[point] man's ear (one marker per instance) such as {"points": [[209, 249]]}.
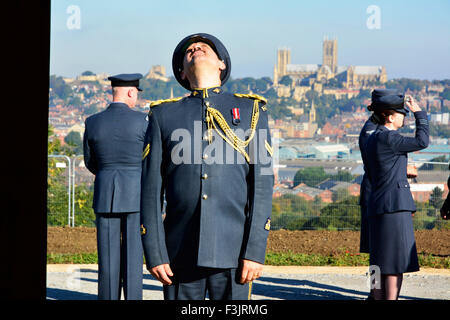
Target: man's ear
{"points": [[222, 65]]}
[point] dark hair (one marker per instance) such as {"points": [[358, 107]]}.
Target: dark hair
{"points": [[381, 117]]}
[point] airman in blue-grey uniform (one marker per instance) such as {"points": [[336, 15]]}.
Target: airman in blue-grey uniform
{"points": [[392, 243], [113, 143], [209, 154]]}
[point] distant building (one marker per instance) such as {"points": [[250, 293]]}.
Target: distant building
{"points": [[333, 185], [287, 153], [308, 74], [157, 72], [441, 118], [309, 193], [102, 78], [330, 151], [421, 192]]}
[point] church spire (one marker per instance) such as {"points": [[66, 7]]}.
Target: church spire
{"points": [[312, 113]]}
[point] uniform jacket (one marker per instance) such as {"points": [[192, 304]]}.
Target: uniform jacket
{"points": [[387, 159], [368, 128], [218, 205], [113, 142]]}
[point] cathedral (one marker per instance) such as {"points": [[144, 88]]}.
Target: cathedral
{"points": [[314, 75]]}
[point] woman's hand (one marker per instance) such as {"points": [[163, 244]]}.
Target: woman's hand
{"points": [[411, 171], [412, 104]]}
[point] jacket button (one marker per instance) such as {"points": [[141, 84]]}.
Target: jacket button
{"points": [[204, 176], [205, 196]]}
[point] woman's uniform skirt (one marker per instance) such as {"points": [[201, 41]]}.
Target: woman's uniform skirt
{"points": [[392, 243]]}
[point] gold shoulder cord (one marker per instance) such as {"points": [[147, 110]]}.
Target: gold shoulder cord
{"points": [[158, 102], [214, 115]]}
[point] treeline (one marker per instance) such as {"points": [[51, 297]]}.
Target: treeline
{"points": [[312, 176], [293, 212]]}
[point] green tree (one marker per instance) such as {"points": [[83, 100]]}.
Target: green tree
{"points": [[75, 101], [93, 108], [74, 142], [342, 215], [60, 88], [310, 176], [343, 175], [436, 198], [84, 214], [286, 81], [53, 144], [340, 194], [445, 94]]}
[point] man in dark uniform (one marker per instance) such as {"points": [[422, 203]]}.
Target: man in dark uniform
{"points": [[113, 143], [210, 154]]}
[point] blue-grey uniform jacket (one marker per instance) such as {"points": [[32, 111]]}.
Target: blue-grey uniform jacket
{"points": [[387, 160], [218, 203], [113, 142], [368, 128]]}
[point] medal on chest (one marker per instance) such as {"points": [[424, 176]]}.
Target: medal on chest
{"points": [[236, 116]]}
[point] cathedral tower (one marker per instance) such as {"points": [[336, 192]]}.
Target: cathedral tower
{"points": [[330, 54], [283, 59]]}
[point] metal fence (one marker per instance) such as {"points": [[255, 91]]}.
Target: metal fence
{"points": [[69, 192], [324, 195]]}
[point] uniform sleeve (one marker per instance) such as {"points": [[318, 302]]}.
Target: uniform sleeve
{"points": [[368, 128], [401, 144], [152, 229], [144, 126], [260, 195], [88, 153]]}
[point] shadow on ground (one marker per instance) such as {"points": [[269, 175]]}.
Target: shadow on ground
{"points": [[267, 288]]}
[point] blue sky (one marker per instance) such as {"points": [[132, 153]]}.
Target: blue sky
{"points": [[130, 36]]}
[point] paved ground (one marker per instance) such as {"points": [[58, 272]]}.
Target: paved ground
{"points": [[79, 282]]}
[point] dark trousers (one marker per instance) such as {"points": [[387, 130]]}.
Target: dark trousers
{"points": [[120, 256], [196, 283]]}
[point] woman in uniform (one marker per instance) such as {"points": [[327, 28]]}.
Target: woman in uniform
{"points": [[392, 243]]}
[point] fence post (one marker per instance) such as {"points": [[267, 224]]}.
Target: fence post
{"points": [[73, 188]]}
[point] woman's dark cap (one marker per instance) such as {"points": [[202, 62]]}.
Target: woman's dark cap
{"points": [[388, 99]]}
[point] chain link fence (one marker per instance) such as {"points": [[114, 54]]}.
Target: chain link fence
{"points": [[310, 194], [318, 194]]}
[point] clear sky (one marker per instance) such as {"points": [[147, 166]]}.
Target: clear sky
{"points": [[410, 38]]}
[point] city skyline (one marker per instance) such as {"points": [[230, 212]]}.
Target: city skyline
{"points": [[409, 38]]}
